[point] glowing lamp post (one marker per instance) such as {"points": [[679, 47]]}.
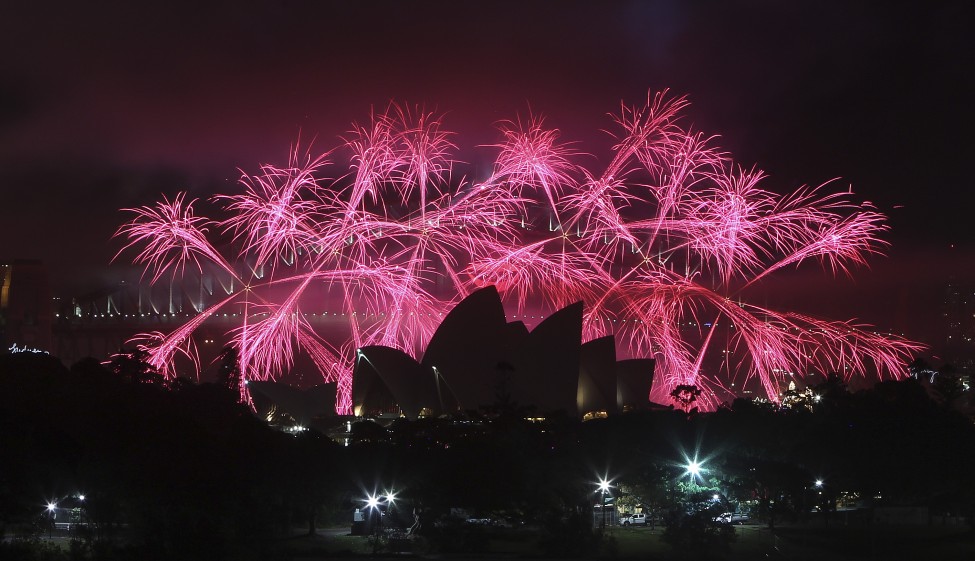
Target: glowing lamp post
{"points": [[821, 503], [52, 512], [603, 489], [390, 498], [374, 503], [81, 499]]}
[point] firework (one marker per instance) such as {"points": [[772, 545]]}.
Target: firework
{"points": [[670, 234]]}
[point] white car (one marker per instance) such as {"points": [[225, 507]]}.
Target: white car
{"points": [[634, 519], [732, 518]]}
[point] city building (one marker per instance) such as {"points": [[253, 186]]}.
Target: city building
{"points": [[25, 307]]}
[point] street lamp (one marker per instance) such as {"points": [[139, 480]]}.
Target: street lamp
{"points": [[81, 509], [390, 503], [374, 504], [603, 489], [52, 512]]}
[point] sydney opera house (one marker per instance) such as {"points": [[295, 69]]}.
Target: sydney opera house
{"points": [[477, 360]]}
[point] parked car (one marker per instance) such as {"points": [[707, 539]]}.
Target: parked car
{"points": [[732, 518], [634, 519]]}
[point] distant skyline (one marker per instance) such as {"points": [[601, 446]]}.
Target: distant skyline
{"points": [[109, 106]]}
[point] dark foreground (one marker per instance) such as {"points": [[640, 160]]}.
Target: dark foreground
{"points": [[752, 541]]}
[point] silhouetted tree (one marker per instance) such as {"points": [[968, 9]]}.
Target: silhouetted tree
{"points": [[948, 385], [228, 373], [684, 395], [920, 369], [698, 536], [134, 367]]}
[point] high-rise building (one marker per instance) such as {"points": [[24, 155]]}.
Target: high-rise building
{"points": [[25, 306]]}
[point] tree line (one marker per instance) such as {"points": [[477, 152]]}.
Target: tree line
{"points": [[181, 470]]}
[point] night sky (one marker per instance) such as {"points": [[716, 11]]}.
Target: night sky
{"points": [[107, 105]]}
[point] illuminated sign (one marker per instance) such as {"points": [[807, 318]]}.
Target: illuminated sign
{"points": [[15, 349]]}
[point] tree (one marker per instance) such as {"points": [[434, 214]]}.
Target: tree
{"points": [[134, 367], [920, 369], [312, 481], [228, 374], [651, 486], [699, 536], [685, 395], [832, 393], [948, 385]]}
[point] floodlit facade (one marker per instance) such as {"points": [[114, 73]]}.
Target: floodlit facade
{"points": [[478, 360]]}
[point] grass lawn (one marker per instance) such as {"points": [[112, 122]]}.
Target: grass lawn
{"points": [[815, 543], [799, 542]]}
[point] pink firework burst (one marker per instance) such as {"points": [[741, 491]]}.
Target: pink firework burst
{"points": [[663, 246]]}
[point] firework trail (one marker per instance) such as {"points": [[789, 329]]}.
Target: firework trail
{"points": [[670, 234]]}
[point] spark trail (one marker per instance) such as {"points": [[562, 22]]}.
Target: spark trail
{"points": [[670, 233]]}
